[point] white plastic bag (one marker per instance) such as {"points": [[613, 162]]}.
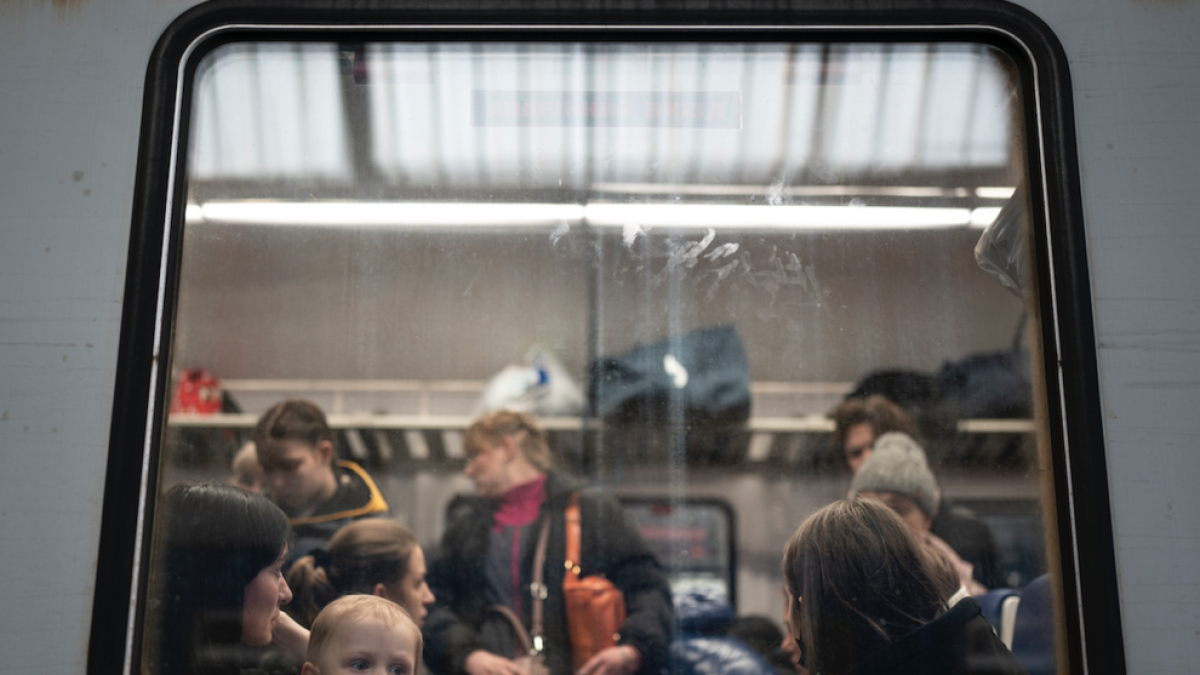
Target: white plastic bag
{"points": [[542, 388], [1002, 249]]}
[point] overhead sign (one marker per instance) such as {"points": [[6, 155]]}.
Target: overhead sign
{"points": [[717, 110]]}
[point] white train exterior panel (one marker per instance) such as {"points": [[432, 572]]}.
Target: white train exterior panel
{"points": [[72, 73]]}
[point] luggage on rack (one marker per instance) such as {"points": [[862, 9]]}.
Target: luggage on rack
{"points": [[696, 382], [990, 385]]}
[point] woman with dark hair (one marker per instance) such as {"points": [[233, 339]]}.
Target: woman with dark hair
{"points": [[370, 557], [222, 582], [864, 596]]}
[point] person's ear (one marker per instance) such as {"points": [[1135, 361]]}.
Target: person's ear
{"points": [[381, 590], [325, 452], [796, 612], [310, 668], [510, 448]]}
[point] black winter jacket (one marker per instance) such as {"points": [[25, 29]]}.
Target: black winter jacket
{"points": [[356, 497], [972, 540], [609, 546], [959, 642]]}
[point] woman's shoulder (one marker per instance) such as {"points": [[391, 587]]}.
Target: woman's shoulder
{"points": [[269, 671], [262, 669], [959, 642], [467, 516]]}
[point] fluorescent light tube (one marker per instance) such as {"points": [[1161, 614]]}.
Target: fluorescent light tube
{"points": [[994, 192], [483, 215], [775, 217], [341, 213], [984, 216]]}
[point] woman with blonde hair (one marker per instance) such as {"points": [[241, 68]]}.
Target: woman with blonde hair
{"points": [[865, 596], [488, 559]]}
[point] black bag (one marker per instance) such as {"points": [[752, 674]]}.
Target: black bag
{"points": [[700, 379], [986, 385], [914, 391], [992, 385]]}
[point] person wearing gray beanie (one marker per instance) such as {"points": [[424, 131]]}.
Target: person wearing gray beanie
{"points": [[898, 465], [898, 475]]}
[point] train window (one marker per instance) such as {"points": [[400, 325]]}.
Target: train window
{"points": [[682, 257], [719, 271]]}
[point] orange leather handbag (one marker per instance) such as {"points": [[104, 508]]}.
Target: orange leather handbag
{"points": [[595, 607]]}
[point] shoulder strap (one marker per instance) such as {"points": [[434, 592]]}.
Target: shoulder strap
{"points": [[572, 562], [531, 641], [522, 635], [538, 588]]}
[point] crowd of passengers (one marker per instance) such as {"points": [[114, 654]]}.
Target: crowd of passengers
{"points": [[312, 577]]}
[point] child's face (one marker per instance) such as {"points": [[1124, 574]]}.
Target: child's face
{"points": [[367, 646]]}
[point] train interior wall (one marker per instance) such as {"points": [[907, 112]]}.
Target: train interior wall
{"points": [[314, 303], [335, 304]]}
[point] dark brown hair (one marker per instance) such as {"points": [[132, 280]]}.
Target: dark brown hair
{"points": [[361, 554], [217, 540], [864, 580], [883, 416], [494, 426], [293, 420]]}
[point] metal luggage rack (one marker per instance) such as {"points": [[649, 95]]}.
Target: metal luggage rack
{"points": [[423, 420]]}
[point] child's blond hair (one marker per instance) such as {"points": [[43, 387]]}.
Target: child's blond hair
{"points": [[356, 607]]}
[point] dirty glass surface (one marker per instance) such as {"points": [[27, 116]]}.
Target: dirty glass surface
{"points": [[679, 257]]}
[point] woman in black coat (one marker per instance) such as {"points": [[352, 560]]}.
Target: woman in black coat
{"points": [[865, 597], [487, 558], [222, 582]]}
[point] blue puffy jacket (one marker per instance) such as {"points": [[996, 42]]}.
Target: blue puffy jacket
{"points": [[701, 647]]}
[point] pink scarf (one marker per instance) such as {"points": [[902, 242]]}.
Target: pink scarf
{"points": [[519, 506]]}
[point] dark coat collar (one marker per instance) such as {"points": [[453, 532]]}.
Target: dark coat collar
{"points": [[919, 643]]}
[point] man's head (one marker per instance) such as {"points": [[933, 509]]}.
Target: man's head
{"points": [[898, 475], [295, 449], [363, 634], [859, 421], [504, 449]]}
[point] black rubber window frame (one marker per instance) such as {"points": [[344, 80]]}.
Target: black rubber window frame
{"points": [[1094, 640]]}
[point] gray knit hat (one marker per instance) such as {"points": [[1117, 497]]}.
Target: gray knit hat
{"points": [[898, 465]]}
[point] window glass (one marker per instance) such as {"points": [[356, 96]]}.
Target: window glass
{"points": [[680, 258]]}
